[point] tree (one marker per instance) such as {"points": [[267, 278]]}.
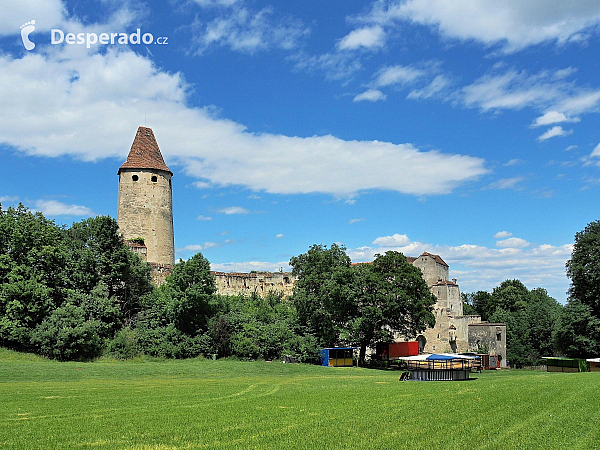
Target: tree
{"points": [[389, 295], [322, 295], [577, 332], [584, 267]]}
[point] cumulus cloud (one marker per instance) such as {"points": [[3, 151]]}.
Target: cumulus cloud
{"points": [[371, 95], [367, 38], [553, 117], [233, 210], [56, 208], [72, 91], [513, 242], [511, 24], [248, 266], [47, 14], [194, 248], [554, 132], [397, 74], [479, 267], [203, 218], [395, 240], [596, 152], [279, 235], [502, 235]]}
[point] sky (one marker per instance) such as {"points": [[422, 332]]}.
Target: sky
{"points": [[463, 128]]}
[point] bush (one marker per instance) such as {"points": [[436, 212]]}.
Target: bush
{"points": [[124, 345], [66, 335]]}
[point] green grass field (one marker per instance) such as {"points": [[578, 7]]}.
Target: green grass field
{"points": [[230, 404]]}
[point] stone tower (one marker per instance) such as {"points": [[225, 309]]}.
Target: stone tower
{"points": [[145, 200]]}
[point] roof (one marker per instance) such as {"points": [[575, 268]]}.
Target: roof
{"points": [[445, 282], [437, 258], [487, 324], [436, 357], [144, 153]]}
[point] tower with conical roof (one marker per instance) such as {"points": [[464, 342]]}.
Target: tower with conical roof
{"points": [[145, 199]]}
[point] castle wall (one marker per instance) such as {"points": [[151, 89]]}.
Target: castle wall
{"points": [[490, 335], [145, 210], [259, 282]]}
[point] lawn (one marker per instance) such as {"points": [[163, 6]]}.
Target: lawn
{"points": [[230, 404]]}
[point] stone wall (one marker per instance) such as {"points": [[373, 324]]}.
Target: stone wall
{"points": [[145, 210], [259, 282], [490, 335]]}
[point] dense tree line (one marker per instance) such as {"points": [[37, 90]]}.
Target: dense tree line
{"points": [[537, 325], [78, 292]]}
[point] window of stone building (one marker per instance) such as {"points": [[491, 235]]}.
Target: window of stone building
{"points": [[498, 336], [134, 178], [154, 178]]}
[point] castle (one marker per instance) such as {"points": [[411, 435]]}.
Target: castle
{"points": [[145, 217]]}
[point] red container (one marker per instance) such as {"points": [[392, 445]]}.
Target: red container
{"points": [[398, 349]]}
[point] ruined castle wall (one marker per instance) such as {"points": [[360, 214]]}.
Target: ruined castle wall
{"points": [[490, 335], [145, 210], [260, 283]]}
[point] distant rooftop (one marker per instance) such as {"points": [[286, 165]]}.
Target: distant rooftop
{"points": [[144, 153]]}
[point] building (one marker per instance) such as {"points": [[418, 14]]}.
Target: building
{"points": [[145, 210], [145, 217]]}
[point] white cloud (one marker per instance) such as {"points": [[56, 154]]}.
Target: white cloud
{"points": [[571, 147], [435, 87], [396, 240], [71, 91], [553, 117], [513, 242], [279, 235], [502, 235], [233, 210], [596, 152], [554, 132], [8, 199], [249, 266], [336, 65], [367, 37], [360, 219], [248, 31], [511, 24], [203, 218], [194, 248], [371, 95], [397, 74], [56, 208], [482, 268], [512, 162], [505, 183], [216, 3], [47, 14]]}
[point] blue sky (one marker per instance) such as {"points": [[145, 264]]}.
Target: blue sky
{"points": [[467, 129]]}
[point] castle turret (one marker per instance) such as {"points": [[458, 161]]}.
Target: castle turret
{"points": [[145, 199]]}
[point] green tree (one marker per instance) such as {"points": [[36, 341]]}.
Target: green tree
{"points": [[584, 267], [322, 295], [389, 294], [577, 332]]}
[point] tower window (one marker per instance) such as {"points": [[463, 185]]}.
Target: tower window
{"points": [[134, 177], [154, 178]]}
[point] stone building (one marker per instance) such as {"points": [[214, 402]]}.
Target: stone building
{"points": [[145, 217], [145, 210]]}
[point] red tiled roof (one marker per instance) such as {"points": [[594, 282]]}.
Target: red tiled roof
{"points": [[445, 283], [144, 153], [437, 258]]}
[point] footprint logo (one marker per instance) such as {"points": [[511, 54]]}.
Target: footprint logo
{"points": [[27, 28]]}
